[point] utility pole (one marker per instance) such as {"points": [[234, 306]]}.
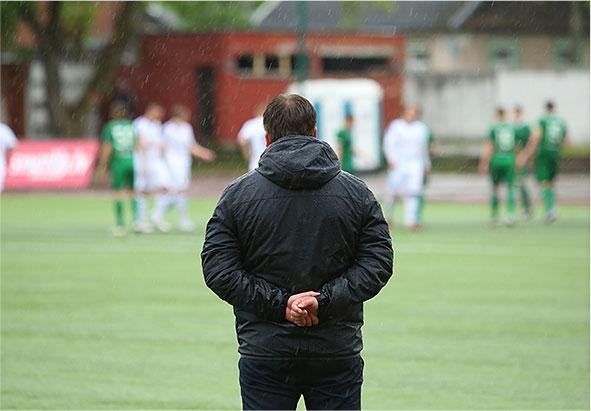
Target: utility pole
{"points": [[302, 28]]}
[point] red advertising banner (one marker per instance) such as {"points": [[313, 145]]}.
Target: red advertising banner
{"points": [[48, 164]]}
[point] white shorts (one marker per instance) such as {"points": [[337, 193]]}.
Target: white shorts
{"points": [[406, 180], [180, 178], [152, 176]]}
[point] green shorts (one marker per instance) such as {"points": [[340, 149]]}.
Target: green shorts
{"points": [[546, 168], [501, 171], [122, 174]]}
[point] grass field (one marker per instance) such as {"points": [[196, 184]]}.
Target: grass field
{"points": [[474, 318]]}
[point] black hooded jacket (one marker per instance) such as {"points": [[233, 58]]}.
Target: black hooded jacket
{"points": [[297, 223]]}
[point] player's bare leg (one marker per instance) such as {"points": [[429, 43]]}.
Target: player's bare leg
{"points": [[162, 202], [549, 202]]}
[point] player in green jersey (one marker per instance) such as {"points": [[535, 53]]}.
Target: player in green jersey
{"points": [[345, 144], [522, 133], [118, 143], [548, 138], [432, 152], [498, 159]]}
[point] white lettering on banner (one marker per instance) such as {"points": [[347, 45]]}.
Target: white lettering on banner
{"points": [[53, 165]]}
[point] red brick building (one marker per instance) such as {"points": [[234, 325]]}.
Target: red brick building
{"points": [[223, 77]]}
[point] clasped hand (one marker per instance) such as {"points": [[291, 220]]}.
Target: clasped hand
{"points": [[302, 309]]}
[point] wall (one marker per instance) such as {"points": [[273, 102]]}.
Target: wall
{"points": [[462, 106]]}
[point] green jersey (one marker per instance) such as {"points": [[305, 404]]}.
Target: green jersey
{"points": [[122, 137], [553, 133], [522, 133], [502, 136], [345, 141]]}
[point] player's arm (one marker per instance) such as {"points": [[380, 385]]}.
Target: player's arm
{"points": [[369, 273], [529, 150], [201, 152], [105, 153], [485, 156], [225, 275], [197, 150], [388, 147], [244, 143]]}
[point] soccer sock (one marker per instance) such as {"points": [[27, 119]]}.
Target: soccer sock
{"points": [[525, 197], [119, 212], [420, 208], [162, 201], [494, 205], [141, 209], [548, 198], [411, 205], [510, 200], [134, 208], [181, 207]]}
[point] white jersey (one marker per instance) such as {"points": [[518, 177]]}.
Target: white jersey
{"points": [[7, 142], [179, 139], [151, 172], [150, 134], [407, 144], [253, 132]]}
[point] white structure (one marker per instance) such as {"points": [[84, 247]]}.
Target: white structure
{"points": [[461, 107], [333, 99]]}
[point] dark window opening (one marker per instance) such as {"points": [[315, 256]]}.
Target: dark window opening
{"points": [[354, 64], [245, 63], [271, 63]]}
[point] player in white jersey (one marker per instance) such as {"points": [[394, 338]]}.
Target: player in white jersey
{"points": [[181, 146], [151, 172], [252, 138], [7, 142], [406, 147]]}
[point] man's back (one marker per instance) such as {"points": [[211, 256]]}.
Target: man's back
{"points": [[296, 246], [299, 222]]}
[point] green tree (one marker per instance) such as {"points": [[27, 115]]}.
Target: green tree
{"points": [[212, 15], [61, 30]]}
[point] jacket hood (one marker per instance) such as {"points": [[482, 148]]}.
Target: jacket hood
{"points": [[299, 162]]}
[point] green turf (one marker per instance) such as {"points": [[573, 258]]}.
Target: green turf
{"points": [[474, 318]]}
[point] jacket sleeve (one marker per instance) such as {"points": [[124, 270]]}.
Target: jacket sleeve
{"points": [[225, 276], [369, 273]]}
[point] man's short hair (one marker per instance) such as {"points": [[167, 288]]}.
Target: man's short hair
{"points": [[178, 110], [289, 115], [518, 109], [500, 111], [117, 110], [550, 105]]}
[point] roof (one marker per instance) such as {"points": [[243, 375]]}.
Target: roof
{"points": [[396, 17]]}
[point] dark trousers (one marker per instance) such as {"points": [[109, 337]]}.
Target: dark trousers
{"points": [[277, 384]]}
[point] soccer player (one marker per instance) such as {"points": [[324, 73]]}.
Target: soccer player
{"points": [[251, 138], [345, 145], [546, 142], [498, 159], [7, 142], [406, 147], [118, 143], [522, 134], [151, 172], [180, 147], [432, 149]]}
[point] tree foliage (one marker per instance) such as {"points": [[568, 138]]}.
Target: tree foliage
{"points": [[61, 30], [212, 15]]}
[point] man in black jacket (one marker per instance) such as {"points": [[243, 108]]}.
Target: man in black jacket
{"points": [[296, 246]]}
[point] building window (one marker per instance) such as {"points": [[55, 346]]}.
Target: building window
{"points": [[245, 63], [353, 64], [418, 57], [567, 54], [504, 53], [271, 63]]}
